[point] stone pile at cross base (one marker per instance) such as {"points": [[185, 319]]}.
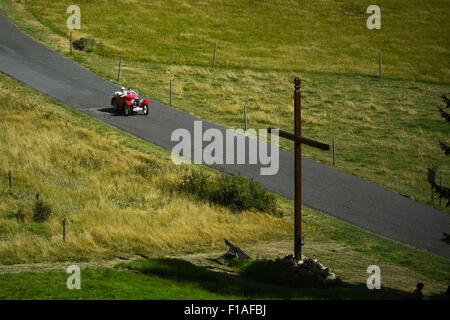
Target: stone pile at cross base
{"points": [[307, 267]]}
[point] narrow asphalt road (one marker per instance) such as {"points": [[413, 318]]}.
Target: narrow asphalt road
{"points": [[336, 193]]}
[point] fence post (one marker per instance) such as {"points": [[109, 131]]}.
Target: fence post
{"points": [[431, 177], [334, 151], [10, 180], [214, 59], [170, 91], [245, 116], [64, 229], [440, 194], [120, 68], [379, 64], [70, 42]]}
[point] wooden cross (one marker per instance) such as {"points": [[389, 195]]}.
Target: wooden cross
{"points": [[298, 140]]}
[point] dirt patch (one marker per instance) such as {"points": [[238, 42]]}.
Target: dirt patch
{"points": [[59, 266]]}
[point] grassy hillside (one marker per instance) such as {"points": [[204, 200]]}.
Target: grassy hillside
{"points": [[327, 36], [117, 200], [165, 279], [182, 283], [386, 131], [151, 278], [118, 192], [119, 196]]}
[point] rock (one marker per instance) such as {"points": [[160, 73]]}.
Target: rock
{"points": [[307, 267]]}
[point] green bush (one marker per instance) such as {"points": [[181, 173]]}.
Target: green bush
{"points": [[86, 44], [38, 229], [237, 193], [41, 211], [20, 215], [276, 272]]}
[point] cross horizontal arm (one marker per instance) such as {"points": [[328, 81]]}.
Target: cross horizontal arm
{"points": [[309, 142]]}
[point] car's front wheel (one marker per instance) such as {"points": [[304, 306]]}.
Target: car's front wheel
{"points": [[145, 109]]}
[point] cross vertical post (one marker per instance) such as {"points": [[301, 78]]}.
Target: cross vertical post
{"points": [[298, 171], [298, 140]]}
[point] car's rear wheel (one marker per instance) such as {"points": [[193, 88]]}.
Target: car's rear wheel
{"points": [[145, 109], [115, 107], [126, 110]]}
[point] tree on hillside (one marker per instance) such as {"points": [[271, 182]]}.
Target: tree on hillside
{"points": [[443, 191], [446, 116], [446, 238]]}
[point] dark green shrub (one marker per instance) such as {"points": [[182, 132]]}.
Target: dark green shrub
{"points": [[20, 215], [196, 183], [41, 211], [86, 44], [38, 229], [237, 193]]}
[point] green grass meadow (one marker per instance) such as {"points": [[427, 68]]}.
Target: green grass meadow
{"points": [[105, 221], [325, 36], [387, 131], [169, 279]]}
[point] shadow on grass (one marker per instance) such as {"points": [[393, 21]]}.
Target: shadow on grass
{"points": [[269, 287]]}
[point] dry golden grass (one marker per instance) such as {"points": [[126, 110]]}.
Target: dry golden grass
{"points": [[117, 200]]}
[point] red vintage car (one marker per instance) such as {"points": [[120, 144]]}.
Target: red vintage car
{"points": [[129, 101]]}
